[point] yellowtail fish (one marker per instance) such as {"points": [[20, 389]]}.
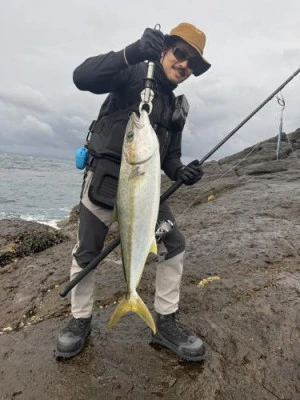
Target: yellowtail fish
{"points": [[136, 210]]}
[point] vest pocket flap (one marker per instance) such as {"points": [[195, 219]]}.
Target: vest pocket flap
{"points": [[104, 183]]}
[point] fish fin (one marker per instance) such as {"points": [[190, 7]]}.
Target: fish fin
{"points": [[114, 216], [135, 304], [153, 247]]}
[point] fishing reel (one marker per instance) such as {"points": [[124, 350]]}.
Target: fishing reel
{"points": [[163, 229]]}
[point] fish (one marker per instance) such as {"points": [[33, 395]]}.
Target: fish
{"points": [[136, 210]]}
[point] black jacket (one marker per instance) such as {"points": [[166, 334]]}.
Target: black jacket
{"points": [[109, 73]]}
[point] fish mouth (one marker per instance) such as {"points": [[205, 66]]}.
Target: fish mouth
{"points": [[136, 121]]}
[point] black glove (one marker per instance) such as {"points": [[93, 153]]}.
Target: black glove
{"points": [[191, 173], [149, 47]]}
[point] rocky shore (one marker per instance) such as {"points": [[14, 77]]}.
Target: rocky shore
{"points": [[240, 293]]}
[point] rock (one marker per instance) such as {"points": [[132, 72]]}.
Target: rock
{"points": [[74, 214], [21, 238], [240, 293]]}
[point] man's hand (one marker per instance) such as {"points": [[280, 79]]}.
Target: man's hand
{"points": [[191, 173], [149, 47]]}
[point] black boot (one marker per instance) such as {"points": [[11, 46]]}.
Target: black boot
{"points": [[72, 338], [173, 336]]}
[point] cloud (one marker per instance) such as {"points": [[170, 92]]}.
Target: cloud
{"points": [[25, 97], [33, 127], [253, 48]]}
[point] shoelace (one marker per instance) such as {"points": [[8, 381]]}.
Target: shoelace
{"points": [[78, 324], [179, 333]]}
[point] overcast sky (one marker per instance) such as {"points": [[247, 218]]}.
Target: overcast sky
{"points": [[253, 47]]}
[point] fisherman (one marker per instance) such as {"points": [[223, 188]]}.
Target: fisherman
{"points": [[122, 75]]}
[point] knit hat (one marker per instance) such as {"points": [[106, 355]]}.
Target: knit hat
{"points": [[195, 38]]}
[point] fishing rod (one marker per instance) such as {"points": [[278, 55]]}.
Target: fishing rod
{"points": [[178, 183], [108, 249]]}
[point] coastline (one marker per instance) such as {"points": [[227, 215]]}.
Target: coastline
{"points": [[240, 294]]}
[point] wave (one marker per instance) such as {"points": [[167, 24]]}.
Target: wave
{"points": [[6, 201], [41, 219], [52, 223], [31, 218]]}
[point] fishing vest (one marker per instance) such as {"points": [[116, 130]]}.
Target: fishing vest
{"points": [[108, 131]]}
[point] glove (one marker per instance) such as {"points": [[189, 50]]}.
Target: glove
{"points": [[149, 47], [191, 173]]}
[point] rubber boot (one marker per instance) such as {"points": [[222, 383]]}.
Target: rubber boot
{"points": [[72, 338], [174, 337]]}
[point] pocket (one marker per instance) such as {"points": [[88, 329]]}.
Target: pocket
{"points": [[104, 183]]}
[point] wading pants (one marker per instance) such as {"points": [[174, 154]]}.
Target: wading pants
{"points": [[94, 223]]}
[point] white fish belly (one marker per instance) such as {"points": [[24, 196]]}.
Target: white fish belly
{"points": [[137, 205]]}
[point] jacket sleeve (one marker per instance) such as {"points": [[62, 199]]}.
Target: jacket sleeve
{"points": [[102, 74], [172, 162]]}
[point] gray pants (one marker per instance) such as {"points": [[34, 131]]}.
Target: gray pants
{"points": [[94, 222]]}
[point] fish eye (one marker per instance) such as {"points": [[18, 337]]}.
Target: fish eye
{"points": [[130, 136]]}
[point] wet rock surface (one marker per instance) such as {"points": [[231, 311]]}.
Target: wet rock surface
{"points": [[240, 293], [19, 240]]}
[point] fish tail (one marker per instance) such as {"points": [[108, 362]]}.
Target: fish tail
{"points": [[135, 304]]}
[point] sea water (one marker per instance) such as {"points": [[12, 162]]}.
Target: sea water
{"points": [[38, 189]]}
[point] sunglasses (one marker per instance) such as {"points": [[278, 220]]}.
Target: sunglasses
{"points": [[181, 55]]}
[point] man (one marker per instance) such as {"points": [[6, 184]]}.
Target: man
{"points": [[122, 74]]}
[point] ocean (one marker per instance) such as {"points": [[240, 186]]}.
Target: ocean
{"points": [[38, 189]]}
